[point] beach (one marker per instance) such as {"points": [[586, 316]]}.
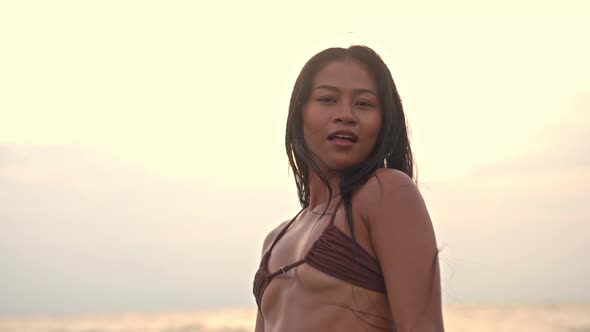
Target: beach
{"points": [[458, 317]]}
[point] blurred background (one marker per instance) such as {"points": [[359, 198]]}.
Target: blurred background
{"points": [[142, 154]]}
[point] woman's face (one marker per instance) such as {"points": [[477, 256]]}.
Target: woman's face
{"points": [[342, 118]]}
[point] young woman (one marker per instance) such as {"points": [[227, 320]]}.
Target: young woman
{"points": [[361, 255]]}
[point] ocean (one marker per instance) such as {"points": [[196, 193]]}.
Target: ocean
{"points": [[472, 318]]}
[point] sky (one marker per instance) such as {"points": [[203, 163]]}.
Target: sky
{"points": [[142, 144]]}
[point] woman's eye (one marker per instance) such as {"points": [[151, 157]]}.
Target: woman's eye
{"points": [[364, 104], [326, 100]]}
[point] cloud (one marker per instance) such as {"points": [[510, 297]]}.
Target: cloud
{"points": [[82, 232], [563, 147], [516, 230]]}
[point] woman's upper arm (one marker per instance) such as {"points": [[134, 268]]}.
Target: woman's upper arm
{"points": [[259, 323], [268, 240], [404, 242]]}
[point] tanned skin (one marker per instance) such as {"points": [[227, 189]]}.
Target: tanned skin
{"points": [[390, 220]]}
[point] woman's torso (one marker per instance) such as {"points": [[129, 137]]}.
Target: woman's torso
{"points": [[307, 299]]}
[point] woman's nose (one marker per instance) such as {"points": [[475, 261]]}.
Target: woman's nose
{"points": [[345, 114]]}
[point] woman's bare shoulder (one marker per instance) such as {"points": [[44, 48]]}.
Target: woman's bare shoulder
{"points": [[385, 189], [270, 237], [383, 181]]}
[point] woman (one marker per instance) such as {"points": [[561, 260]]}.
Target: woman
{"points": [[361, 255]]}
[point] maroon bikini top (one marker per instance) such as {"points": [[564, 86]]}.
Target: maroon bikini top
{"points": [[333, 253]]}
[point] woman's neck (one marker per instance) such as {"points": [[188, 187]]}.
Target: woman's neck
{"points": [[319, 193]]}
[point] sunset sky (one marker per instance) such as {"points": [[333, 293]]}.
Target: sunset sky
{"points": [[142, 144]]}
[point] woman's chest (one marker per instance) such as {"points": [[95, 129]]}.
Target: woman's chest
{"points": [[305, 259], [295, 247]]}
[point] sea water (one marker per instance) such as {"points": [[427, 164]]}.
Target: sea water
{"points": [[472, 318]]}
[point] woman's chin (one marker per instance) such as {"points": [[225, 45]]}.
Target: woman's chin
{"points": [[340, 167], [337, 165]]}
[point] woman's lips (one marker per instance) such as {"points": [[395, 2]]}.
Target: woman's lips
{"points": [[343, 134], [341, 142], [343, 138]]}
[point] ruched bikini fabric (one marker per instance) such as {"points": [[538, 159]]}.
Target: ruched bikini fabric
{"points": [[333, 253]]}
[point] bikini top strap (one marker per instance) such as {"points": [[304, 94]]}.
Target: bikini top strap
{"points": [[334, 214], [284, 230]]}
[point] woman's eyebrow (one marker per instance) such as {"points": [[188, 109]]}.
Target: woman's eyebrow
{"points": [[355, 91]]}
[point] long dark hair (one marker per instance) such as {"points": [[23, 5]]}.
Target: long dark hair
{"points": [[392, 142]]}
